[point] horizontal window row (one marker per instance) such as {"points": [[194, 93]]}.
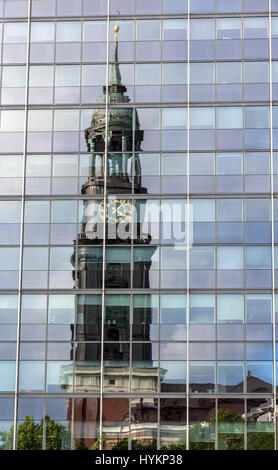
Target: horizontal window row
{"points": [[63, 377], [144, 74], [227, 92], [153, 279], [117, 328], [171, 258], [222, 233], [168, 164], [169, 139], [233, 117], [144, 211], [19, 8], [166, 184], [141, 51], [148, 309], [146, 30], [146, 423], [120, 351], [172, 327]]}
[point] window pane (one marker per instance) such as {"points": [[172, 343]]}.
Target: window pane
{"points": [[68, 31], [255, 28], [13, 76], [230, 308], [202, 29], [41, 76], [228, 28], [228, 72], [201, 73], [42, 32], [202, 118], [174, 74], [229, 118], [202, 308], [229, 163], [15, 32], [230, 257], [256, 72]]}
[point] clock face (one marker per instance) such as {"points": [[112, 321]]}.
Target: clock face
{"points": [[116, 210]]}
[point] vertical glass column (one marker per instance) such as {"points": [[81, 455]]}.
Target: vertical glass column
{"points": [[17, 378]]}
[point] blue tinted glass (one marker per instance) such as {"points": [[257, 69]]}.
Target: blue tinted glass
{"points": [[230, 377], [229, 118], [202, 377], [230, 308], [259, 351], [202, 308], [256, 117], [258, 257], [225, 6], [230, 257], [201, 6]]}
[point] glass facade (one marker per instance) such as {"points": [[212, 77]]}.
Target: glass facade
{"points": [[138, 224]]}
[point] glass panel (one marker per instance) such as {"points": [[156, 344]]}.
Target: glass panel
{"points": [[202, 424], [201, 377], [228, 28], [202, 308], [86, 422], [260, 424], [230, 308], [115, 425], [145, 414], [173, 424], [230, 377], [202, 29], [258, 308], [231, 416]]}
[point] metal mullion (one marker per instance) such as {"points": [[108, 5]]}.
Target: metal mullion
{"points": [[216, 424], [46, 336], [2, 51], [22, 226], [158, 361], [72, 443], [244, 346], [104, 224], [187, 225], [158, 421], [129, 439], [130, 363], [272, 223], [245, 424]]}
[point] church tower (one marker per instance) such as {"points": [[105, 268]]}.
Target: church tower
{"points": [[117, 139], [106, 216]]}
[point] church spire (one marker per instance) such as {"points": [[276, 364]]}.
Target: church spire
{"points": [[115, 77]]}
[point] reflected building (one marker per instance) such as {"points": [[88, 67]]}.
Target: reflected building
{"points": [[112, 220]]}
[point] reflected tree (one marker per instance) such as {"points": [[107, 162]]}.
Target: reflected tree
{"points": [[231, 437], [30, 435], [135, 445], [260, 441], [230, 430]]}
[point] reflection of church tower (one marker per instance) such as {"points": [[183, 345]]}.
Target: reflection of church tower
{"points": [[119, 143], [117, 217]]}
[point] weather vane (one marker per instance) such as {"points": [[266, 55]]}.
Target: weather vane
{"points": [[117, 27]]}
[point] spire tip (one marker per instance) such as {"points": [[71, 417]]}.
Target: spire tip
{"points": [[116, 29]]}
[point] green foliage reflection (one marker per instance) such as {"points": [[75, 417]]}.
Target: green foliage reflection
{"points": [[30, 435]]}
